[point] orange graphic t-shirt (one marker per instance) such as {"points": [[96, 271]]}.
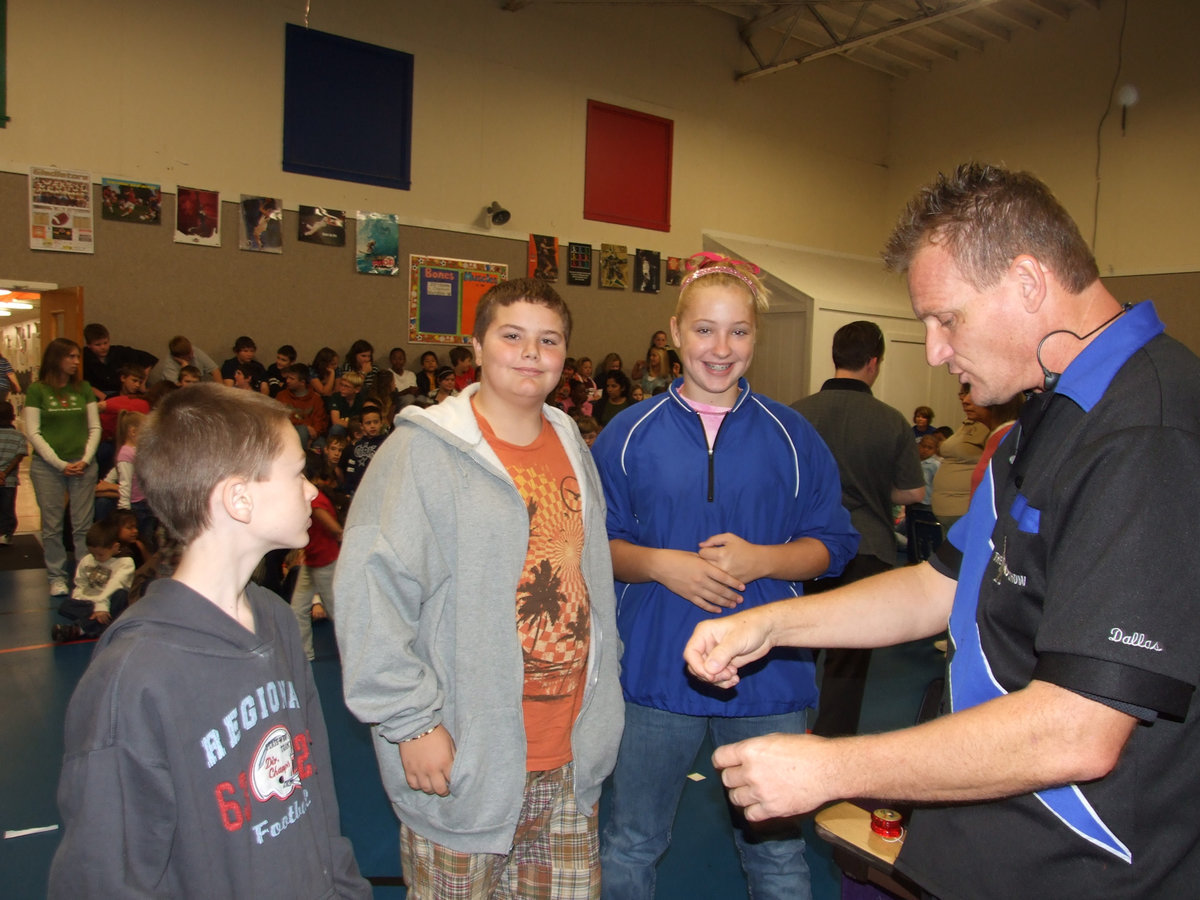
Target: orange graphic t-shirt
{"points": [[552, 610]]}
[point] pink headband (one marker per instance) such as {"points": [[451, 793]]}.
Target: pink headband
{"points": [[724, 270]]}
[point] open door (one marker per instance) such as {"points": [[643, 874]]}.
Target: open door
{"points": [[62, 315]]}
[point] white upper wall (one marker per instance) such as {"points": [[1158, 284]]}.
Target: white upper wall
{"points": [[189, 92]]}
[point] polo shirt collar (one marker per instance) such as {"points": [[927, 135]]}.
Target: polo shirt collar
{"points": [[846, 384], [1090, 373]]}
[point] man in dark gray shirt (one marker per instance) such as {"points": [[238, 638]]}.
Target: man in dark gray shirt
{"points": [[879, 466]]}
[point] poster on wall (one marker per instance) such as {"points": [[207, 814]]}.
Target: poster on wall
{"points": [[443, 296], [614, 266], [579, 264], [260, 226], [377, 243], [674, 270], [130, 201], [543, 257], [322, 225], [646, 265], [198, 217], [60, 210]]}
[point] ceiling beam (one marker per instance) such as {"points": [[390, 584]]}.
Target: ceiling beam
{"points": [[843, 47]]}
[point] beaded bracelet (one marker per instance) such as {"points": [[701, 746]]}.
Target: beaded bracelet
{"points": [[421, 735]]}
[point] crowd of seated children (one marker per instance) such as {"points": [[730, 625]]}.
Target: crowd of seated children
{"points": [[243, 361], [285, 356], [102, 581], [329, 399]]}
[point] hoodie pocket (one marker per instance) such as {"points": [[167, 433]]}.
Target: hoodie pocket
{"points": [[487, 780]]}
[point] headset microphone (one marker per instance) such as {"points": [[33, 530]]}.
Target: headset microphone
{"points": [[1051, 378]]}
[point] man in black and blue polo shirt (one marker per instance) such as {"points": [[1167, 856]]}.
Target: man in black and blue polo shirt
{"points": [[1068, 765]]}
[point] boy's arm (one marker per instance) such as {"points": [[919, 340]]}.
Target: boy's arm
{"points": [[13, 464], [385, 682], [330, 522], [115, 794], [388, 567], [118, 825]]}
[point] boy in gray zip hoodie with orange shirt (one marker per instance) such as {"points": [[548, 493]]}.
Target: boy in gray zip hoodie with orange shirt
{"points": [[477, 622]]}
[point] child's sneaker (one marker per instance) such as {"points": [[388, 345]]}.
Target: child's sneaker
{"points": [[58, 587], [63, 633], [5, 540]]}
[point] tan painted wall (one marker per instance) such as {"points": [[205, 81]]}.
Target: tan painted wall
{"points": [[1037, 104]]}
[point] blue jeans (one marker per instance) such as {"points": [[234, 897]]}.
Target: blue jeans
{"points": [[657, 751], [52, 487]]}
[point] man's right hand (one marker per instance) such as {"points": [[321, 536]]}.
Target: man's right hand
{"points": [[719, 647], [427, 761]]}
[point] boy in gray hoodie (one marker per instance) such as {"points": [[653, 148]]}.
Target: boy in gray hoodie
{"points": [[477, 622], [196, 762]]}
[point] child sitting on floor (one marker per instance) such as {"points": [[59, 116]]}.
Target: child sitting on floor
{"points": [[102, 581]]}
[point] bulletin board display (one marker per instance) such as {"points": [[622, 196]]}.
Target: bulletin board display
{"points": [[443, 296]]}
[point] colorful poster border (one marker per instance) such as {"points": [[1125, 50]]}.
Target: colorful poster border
{"points": [[443, 295]]}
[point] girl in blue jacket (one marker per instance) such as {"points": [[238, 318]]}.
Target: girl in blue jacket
{"points": [[718, 498]]}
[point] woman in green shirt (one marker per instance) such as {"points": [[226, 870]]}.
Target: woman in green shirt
{"points": [[62, 422]]}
